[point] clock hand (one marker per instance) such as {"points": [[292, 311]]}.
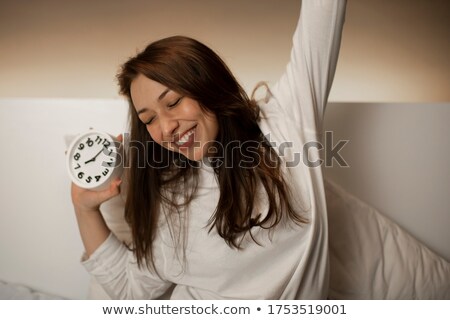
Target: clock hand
{"points": [[95, 157]]}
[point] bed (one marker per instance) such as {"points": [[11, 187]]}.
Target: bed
{"points": [[371, 255]]}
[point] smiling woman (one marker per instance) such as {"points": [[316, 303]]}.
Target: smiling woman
{"points": [[173, 121], [187, 118], [209, 196]]}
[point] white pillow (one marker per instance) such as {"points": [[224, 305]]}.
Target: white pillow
{"points": [[371, 257]]}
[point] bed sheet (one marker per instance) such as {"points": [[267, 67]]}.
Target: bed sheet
{"points": [[14, 291], [372, 257]]}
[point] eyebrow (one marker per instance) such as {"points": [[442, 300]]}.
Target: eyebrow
{"points": [[161, 96]]}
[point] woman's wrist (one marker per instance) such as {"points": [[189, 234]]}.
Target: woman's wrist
{"points": [[84, 211], [92, 226]]}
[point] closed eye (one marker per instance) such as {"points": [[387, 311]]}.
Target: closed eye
{"points": [[149, 121], [175, 103]]}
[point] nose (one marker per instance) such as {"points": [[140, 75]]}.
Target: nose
{"points": [[168, 127]]}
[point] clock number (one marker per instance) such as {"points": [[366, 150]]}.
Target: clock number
{"points": [[98, 140], [103, 141], [77, 167], [105, 172], [77, 156], [81, 146], [89, 179], [80, 175], [89, 142], [97, 178]]}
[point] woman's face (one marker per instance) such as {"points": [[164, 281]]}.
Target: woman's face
{"points": [[175, 122]]}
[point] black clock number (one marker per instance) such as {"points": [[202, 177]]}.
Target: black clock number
{"points": [[89, 142], [103, 141]]}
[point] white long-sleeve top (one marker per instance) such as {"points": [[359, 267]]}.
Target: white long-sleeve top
{"points": [[290, 262]]}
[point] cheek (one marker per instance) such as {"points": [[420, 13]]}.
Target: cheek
{"points": [[192, 110]]}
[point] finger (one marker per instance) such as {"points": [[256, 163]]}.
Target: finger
{"points": [[116, 183], [111, 192], [120, 137]]}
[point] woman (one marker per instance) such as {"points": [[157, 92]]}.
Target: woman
{"points": [[218, 205]]}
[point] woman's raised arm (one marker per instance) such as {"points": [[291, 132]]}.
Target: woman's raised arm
{"points": [[302, 91]]}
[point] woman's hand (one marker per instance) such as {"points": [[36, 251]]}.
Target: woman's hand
{"points": [[87, 200], [92, 226]]}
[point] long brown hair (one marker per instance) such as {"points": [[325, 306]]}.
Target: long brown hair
{"points": [[191, 69]]}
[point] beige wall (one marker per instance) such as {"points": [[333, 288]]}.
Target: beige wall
{"points": [[393, 50]]}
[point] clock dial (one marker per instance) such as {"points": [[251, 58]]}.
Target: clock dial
{"points": [[93, 159]]}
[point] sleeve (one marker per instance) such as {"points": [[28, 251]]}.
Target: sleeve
{"points": [[115, 269], [302, 91]]}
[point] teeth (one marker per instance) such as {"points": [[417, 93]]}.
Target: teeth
{"points": [[185, 137]]}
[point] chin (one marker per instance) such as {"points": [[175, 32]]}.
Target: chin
{"points": [[197, 154], [194, 154], [195, 157]]}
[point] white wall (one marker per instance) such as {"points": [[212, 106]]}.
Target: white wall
{"points": [[39, 242], [392, 50]]}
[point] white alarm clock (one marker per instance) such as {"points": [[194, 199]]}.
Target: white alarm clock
{"points": [[94, 159]]}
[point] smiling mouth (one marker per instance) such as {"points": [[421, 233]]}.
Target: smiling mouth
{"points": [[186, 137]]}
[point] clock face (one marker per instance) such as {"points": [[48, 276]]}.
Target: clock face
{"points": [[93, 158]]}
